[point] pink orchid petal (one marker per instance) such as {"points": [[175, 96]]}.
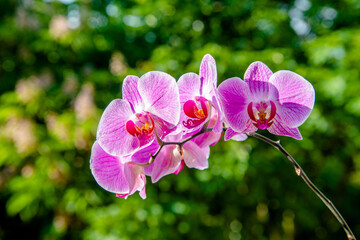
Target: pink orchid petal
{"points": [[111, 132], [257, 77], [279, 128], [206, 151], [250, 127], [108, 171], [131, 94], [135, 176], [194, 156], [207, 139], [142, 192], [189, 87], [207, 74], [231, 134], [163, 128], [165, 163], [181, 166], [148, 170], [143, 155], [295, 96], [218, 125], [160, 94], [234, 98]]}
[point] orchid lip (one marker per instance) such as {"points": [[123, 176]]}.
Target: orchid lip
{"points": [[142, 127], [198, 110], [265, 113]]}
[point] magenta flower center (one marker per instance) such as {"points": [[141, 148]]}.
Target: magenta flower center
{"points": [[262, 113], [142, 127], [197, 110]]}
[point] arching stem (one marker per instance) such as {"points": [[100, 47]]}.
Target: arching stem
{"points": [[300, 172]]}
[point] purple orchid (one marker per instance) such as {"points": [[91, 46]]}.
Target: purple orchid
{"points": [[198, 97], [278, 102], [116, 174], [150, 106]]}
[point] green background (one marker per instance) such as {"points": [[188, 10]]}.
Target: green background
{"points": [[61, 63]]}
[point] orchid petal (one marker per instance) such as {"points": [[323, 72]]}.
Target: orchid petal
{"points": [[295, 96], [163, 128], [206, 139], [144, 155], [250, 127], [207, 74], [135, 176], [166, 162], [218, 125], [279, 128], [160, 94], [194, 156], [257, 77], [131, 94], [181, 166], [189, 87], [234, 98], [231, 134], [111, 132], [108, 170], [142, 191]]}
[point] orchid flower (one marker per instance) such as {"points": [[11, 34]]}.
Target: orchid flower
{"points": [[198, 98], [278, 102], [116, 174], [150, 106]]}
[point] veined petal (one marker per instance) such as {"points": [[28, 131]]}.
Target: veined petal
{"points": [[144, 155], [257, 77], [189, 87], [163, 128], [131, 94], [194, 156], [231, 134], [160, 94], [234, 98], [250, 127], [295, 95], [218, 125], [207, 139], [166, 162], [111, 133], [279, 128], [108, 170], [135, 176], [207, 74]]}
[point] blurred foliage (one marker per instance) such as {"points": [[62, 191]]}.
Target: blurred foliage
{"points": [[62, 62]]}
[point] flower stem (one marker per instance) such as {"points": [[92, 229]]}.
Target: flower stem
{"points": [[300, 172], [180, 144]]}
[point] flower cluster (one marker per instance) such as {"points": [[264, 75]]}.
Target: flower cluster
{"points": [[140, 134]]}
